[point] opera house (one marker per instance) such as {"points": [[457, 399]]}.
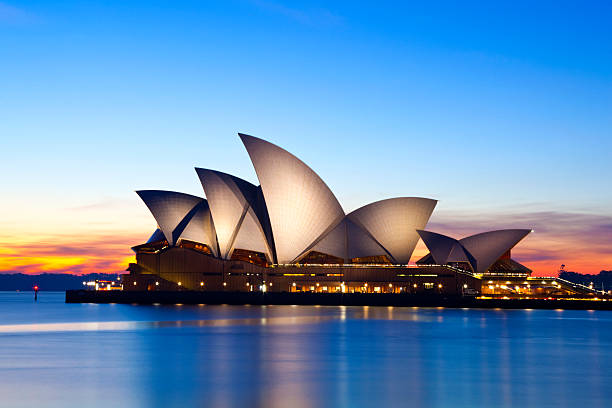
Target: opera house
{"points": [[290, 234]]}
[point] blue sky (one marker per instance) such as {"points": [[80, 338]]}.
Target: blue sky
{"points": [[500, 110]]}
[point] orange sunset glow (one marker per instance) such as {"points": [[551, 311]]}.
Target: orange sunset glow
{"points": [[108, 250]]}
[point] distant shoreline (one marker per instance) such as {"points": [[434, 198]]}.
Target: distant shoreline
{"points": [[48, 282]]}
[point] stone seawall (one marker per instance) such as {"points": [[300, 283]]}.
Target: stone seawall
{"points": [[325, 299]]}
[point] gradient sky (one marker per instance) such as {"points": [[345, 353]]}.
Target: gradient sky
{"points": [[500, 110]]}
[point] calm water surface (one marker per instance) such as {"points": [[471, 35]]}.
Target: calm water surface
{"points": [[84, 355]]}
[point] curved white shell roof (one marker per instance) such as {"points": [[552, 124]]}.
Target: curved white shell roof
{"points": [[444, 249], [333, 243], [347, 241], [231, 204], [300, 205], [440, 246], [294, 212], [361, 244], [480, 250], [393, 223], [199, 227], [488, 247], [169, 208], [157, 235]]}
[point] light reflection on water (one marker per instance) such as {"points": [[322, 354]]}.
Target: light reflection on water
{"points": [[53, 354]]}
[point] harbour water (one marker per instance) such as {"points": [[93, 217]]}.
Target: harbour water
{"points": [[54, 354]]}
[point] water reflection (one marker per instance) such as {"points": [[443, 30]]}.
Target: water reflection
{"points": [[106, 326], [279, 356]]}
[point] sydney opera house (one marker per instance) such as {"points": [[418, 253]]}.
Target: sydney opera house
{"points": [[290, 234]]}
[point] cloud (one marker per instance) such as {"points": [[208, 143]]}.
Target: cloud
{"points": [[66, 254], [316, 16]]}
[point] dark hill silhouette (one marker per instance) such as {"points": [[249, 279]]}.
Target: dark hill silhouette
{"points": [[49, 281], [604, 277]]}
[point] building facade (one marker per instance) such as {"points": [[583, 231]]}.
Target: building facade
{"points": [[290, 234]]}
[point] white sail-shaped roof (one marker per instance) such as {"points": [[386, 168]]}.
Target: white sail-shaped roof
{"points": [[393, 223], [444, 249], [440, 246], [157, 235], [300, 205], [199, 227], [169, 208], [480, 250], [459, 254], [232, 201], [333, 243], [488, 247], [361, 244], [348, 241], [251, 236]]}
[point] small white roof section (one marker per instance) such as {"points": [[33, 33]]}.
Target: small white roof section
{"points": [[232, 201], [480, 250], [348, 241], [393, 223], [157, 235], [300, 205], [169, 208], [361, 244], [488, 247], [440, 246], [333, 243], [199, 227], [444, 249]]}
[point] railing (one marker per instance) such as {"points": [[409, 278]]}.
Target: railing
{"points": [[581, 286], [350, 265]]}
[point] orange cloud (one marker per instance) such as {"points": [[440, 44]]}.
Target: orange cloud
{"points": [[90, 237], [101, 254]]}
